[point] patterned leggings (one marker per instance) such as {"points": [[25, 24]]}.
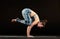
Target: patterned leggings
{"points": [[26, 15]]}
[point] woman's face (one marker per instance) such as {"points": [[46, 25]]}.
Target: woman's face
{"points": [[40, 24]]}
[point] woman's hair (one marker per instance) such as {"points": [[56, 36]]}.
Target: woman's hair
{"points": [[44, 21]]}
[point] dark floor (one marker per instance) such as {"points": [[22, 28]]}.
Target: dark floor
{"points": [[24, 37]]}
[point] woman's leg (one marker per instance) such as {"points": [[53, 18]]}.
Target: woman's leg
{"points": [[21, 21], [27, 20]]}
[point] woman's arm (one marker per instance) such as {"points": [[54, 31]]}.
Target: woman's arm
{"points": [[33, 14]]}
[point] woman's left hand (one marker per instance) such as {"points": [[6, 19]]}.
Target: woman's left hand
{"points": [[40, 24]]}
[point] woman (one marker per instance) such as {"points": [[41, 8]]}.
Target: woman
{"points": [[27, 14]]}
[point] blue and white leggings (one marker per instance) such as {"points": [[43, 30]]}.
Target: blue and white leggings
{"points": [[26, 15]]}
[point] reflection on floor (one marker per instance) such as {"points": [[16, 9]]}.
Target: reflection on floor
{"points": [[35, 37]]}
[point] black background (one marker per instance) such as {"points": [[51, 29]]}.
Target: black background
{"points": [[46, 9]]}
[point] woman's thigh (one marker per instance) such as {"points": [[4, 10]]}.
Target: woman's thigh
{"points": [[27, 18]]}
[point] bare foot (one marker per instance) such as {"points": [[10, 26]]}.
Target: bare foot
{"points": [[13, 20]]}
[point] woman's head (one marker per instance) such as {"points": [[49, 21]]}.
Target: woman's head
{"points": [[42, 23]]}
